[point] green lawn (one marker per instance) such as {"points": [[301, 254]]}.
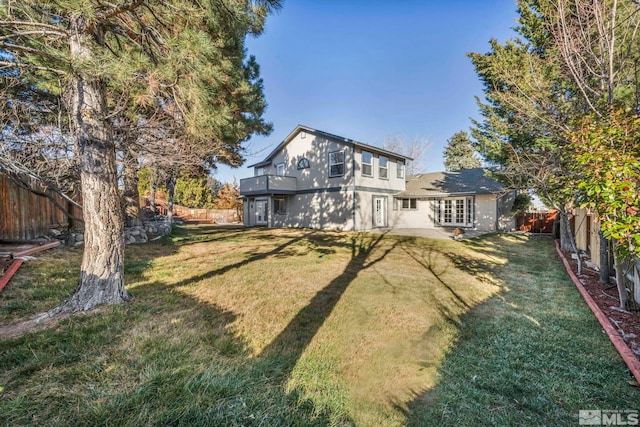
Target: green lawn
{"points": [[232, 326]]}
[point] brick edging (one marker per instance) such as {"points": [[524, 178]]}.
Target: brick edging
{"points": [[8, 274], [618, 342]]}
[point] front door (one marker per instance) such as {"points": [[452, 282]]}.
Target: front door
{"points": [[379, 211], [261, 211]]}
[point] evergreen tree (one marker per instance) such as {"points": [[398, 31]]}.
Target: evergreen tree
{"points": [[111, 62], [459, 153], [194, 192]]}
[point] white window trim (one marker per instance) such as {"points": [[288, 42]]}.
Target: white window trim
{"points": [[400, 168], [467, 203], [380, 167], [409, 200], [370, 164], [343, 163], [279, 167]]}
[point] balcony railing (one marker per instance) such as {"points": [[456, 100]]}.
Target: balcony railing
{"points": [[268, 184]]}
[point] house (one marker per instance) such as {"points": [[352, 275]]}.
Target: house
{"points": [[314, 179], [467, 198]]}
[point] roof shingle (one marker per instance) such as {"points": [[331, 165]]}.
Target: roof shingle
{"points": [[461, 182]]}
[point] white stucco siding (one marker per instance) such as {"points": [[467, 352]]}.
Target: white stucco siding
{"points": [[421, 217], [506, 221], [485, 212], [366, 210]]}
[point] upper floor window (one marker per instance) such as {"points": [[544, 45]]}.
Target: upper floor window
{"points": [[280, 169], [336, 163], [303, 163], [383, 167], [367, 163], [400, 168], [259, 171]]}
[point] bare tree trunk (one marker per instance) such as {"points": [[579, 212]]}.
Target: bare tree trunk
{"points": [[171, 186], [567, 239], [604, 259], [152, 191], [102, 270], [130, 194], [636, 280], [620, 279]]}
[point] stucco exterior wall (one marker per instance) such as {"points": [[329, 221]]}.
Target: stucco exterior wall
{"points": [[485, 212], [374, 181], [506, 221], [316, 149], [331, 210], [421, 217]]}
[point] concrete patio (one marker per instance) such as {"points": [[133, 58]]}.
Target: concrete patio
{"points": [[434, 233]]}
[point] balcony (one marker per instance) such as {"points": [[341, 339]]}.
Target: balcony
{"points": [[268, 184]]}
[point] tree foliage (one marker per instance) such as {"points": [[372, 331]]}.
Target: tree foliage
{"points": [[554, 86], [170, 81], [195, 191], [607, 153], [459, 153], [228, 197]]}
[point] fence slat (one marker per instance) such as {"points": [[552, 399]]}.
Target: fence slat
{"points": [[25, 215]]}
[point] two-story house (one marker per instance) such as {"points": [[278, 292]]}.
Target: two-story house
{"points": [[318, 180], [314, 179]]}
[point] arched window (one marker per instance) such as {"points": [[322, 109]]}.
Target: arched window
{"points": [[303, 163]]}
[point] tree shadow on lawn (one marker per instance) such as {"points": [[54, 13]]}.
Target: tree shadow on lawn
{"points": [[533, 354], [169, 359]]}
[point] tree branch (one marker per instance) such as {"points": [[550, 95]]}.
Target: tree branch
{"points": [[51, 28]]}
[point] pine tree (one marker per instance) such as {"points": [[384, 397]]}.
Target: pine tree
{"points": [[459, 153], [109, 63]]}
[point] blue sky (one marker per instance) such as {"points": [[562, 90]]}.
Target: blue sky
{"points": [[369, 70]]}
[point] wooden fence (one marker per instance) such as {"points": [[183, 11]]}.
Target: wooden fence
{"points": [[536, 222], [219, 216], [25, 215]]}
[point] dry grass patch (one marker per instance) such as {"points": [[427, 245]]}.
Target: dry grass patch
{"points": [[255, 327]]}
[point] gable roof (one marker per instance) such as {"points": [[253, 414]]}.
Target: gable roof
{"points": [[302, 128], [450, 183]]}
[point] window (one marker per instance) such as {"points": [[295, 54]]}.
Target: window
{"points": [[279, 205], [409, 204], [280, 169], [259, 171], [367, 163], [448, 211], [336, 163], [383, 167], [303, 163], [400, 168], [455, 212]]}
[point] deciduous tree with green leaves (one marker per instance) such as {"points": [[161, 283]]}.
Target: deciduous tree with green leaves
{"points": [[185, 59], [607, 153]]}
